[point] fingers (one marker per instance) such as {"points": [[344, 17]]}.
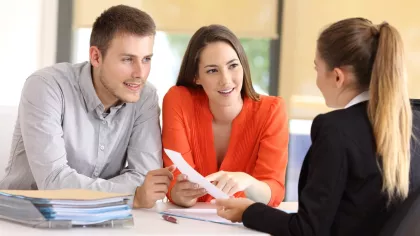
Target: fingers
{"points": [[233, 190], [222, 181], [231, 187], [215, 176], [162, 172], [225, 182], [161, 188], [190, 190], [187, 185], [224, 213], [224, 203], [171, 168], [181, 177], [193, 193], [160, 180]]}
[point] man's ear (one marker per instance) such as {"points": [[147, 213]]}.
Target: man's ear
{"points": [[95, 56], [340, 77]]}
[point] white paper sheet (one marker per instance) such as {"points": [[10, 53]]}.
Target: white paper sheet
{"points": [[193, 175], [201, 211], [201, 216]]}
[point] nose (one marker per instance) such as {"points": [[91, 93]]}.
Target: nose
{"points": [[225, 78], [138, 70]]}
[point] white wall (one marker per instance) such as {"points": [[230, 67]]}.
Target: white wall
{"points": [[27, 43]]}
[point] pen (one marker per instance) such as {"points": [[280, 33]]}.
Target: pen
{"points": [[170, 218]]}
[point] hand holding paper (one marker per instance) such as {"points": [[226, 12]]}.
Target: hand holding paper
{"points": [[231, 182], [194, 176], [185, 193]]}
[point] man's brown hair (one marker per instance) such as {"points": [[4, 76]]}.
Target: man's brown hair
{"points": [[120, 19]]}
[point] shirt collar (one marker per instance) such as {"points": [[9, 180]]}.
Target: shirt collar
{"points": [[364, 96], [92, 100]]}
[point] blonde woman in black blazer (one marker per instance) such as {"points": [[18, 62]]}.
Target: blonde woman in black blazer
{"points": [[357, 169]]}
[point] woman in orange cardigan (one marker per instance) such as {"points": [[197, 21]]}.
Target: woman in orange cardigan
{"points": [[227, 132]]}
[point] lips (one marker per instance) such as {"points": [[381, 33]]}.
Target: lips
{"points": [[132, 86], [226, 91]]}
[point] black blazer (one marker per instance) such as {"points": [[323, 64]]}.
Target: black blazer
{"points": [[339, 186], [406, 219]]}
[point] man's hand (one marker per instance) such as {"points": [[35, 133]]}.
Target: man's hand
{"points": [[154, 188]]}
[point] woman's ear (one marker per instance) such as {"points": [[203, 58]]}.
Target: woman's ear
{"points": [[197, 80], [340, 77]]}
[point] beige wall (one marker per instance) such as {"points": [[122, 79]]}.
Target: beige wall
{"points": [[247, 18], [303, 21]]}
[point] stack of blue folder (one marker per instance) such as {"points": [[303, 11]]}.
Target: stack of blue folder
{"points": [[65, 208]]}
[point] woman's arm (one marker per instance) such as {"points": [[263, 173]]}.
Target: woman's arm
{"points": [[320, 196], [270, 168], [266, 183], [174, 137]]}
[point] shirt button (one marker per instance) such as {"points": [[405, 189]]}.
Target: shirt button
{"points": [[96, 174], [104, 122], [102, 147]]}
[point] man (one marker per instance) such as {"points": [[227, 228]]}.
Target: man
{"points": [[94, 125]]}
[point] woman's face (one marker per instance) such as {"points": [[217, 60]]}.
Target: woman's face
{"points": [[326, 81], [220, 73]]}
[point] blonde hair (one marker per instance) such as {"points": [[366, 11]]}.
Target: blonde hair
{"points": [[390, 112], [375, 53]]}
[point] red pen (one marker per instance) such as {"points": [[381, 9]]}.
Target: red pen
{"points": [[170, 219]]}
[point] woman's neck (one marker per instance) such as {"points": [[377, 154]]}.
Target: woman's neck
{"points": [[225, 114], [349, 95]]}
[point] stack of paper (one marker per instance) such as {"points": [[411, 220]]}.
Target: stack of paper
{"points": [[65, 208]]}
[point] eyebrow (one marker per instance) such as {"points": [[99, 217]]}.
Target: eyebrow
{"points": [[132, 55], [226, 63]]}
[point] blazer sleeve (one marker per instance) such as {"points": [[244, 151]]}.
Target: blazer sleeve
{"points": [[174, 133], [321, 194], [273, 152]]}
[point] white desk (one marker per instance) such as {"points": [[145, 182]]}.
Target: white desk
{"points": [[146, 222]]}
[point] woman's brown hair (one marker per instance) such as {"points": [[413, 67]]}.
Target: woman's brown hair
{"points": [[204, 36], [374, 53]]}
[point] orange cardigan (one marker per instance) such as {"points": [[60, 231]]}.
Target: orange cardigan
{"points": [[258, 143]]}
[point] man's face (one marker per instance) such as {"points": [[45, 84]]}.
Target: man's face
{"points": [[124, 69]]}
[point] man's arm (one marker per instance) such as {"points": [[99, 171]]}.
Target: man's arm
{"points": [[40, 113], [144, 151]]}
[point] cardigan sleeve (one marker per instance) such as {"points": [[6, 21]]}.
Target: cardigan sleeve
{"points": [[320, 196], [174, 133], [272, 159]]}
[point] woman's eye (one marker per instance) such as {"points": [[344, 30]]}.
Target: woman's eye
{"points": [[211, 71]]}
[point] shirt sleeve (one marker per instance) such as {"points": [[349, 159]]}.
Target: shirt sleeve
{"points": [[174, 133], [273, 152], [319, 197], [40, 113], [144, 152]]}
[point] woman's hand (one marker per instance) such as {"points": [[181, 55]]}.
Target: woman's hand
{"points": [[232, 209], [185, 193], [231, 182]]}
